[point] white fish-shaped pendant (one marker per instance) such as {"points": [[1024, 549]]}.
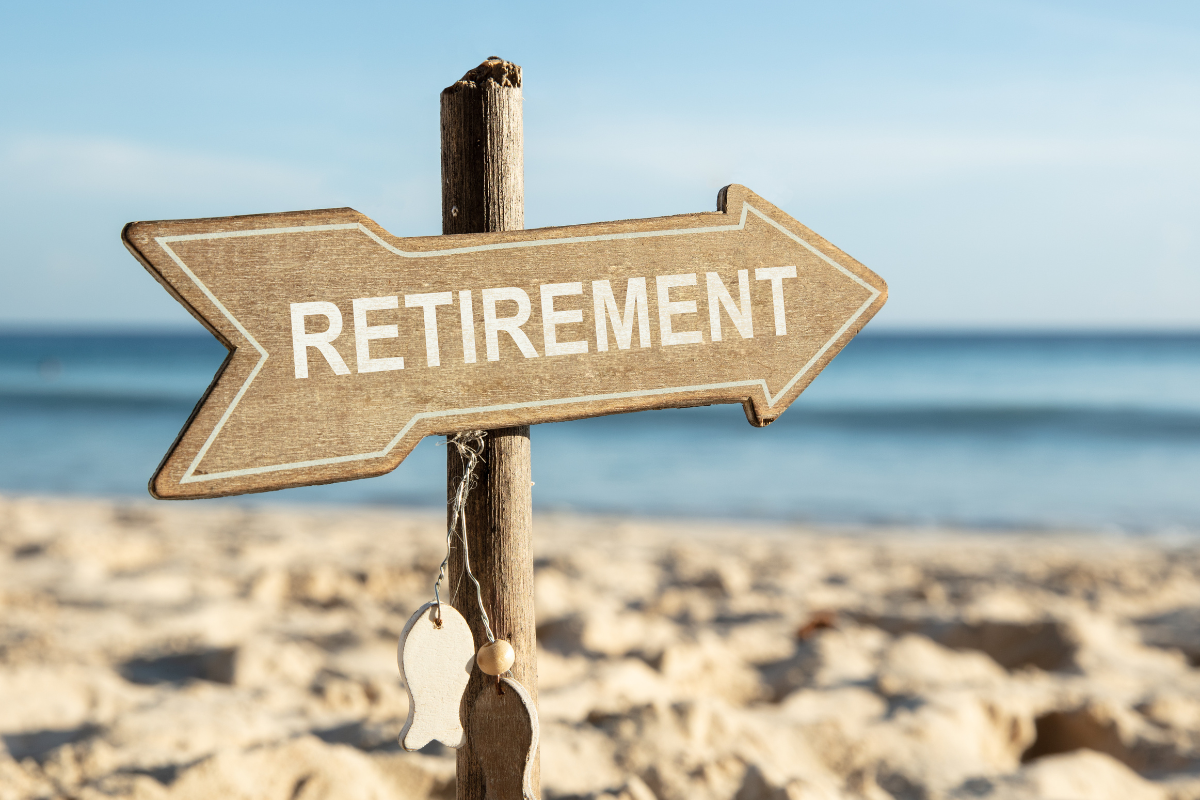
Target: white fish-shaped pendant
{"points": [[435, 662]]}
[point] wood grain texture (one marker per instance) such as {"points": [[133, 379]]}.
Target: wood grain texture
{"points": [[500, 538], [482, 169], [504, 736], [483, 177], [435, 662], [259, 427]]}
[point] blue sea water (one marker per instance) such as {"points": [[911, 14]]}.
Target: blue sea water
{"points": [[1012, 430]]}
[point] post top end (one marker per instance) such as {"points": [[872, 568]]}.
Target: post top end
{"points": [[495, 69]]}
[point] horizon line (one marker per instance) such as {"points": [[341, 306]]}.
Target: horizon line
{"points": [[152, 329]]}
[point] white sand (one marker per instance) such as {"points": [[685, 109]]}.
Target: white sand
{"points": [[191, 651]]}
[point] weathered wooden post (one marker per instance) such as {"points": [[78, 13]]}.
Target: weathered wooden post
{"points": [[483, 192]]}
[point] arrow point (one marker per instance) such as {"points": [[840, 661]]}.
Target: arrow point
{"points": [[856, 306]]}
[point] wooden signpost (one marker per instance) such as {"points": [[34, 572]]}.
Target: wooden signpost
{"points": [[348, 345]]}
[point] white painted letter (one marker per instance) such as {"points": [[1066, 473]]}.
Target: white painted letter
{"points": [[776, 275], [668, 309], [364, 333], [719, 296], [429, 302], [301, 341], [606, 309], [510, 325], [551, 318], [466, 312]]}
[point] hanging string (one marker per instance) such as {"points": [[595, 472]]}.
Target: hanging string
{"points": [[469, 445]]}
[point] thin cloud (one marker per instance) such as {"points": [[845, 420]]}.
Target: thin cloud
{"points": [[115, 169], [854, 161]]}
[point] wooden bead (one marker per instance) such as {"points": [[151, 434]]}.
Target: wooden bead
{"points": [[496, 658]]}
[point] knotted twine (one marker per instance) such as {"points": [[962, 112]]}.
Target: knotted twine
{"points": [[469, 445]]}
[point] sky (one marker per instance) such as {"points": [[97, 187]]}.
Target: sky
{"points": [[1002, 165]]}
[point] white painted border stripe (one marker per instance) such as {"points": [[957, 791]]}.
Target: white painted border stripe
{"points": [[187, 476], [190, 476], [463, 412]]}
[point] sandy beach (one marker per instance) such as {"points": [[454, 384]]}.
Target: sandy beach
{"points": [[185, 651]]}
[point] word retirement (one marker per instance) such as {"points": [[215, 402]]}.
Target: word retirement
{"points": [[554, 313]]}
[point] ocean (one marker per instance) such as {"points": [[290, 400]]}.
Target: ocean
{"points": [[997, 431]]}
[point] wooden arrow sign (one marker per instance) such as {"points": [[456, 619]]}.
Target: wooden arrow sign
{"points": [[348, 344]]}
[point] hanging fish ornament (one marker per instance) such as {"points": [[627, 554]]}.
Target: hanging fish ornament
{"points": [[435, 656]]}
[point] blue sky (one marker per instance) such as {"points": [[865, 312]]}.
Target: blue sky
{"points": [[1000, 164]]}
